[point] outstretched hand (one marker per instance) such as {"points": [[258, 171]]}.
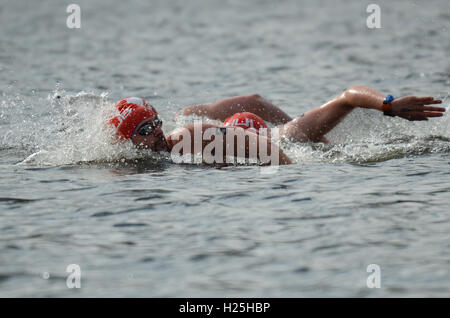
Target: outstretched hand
{"points": [[416, 108]]}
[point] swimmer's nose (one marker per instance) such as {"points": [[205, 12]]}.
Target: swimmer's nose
{"points": [[159, 132]]}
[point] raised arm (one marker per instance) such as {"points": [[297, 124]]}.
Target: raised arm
{"points": [[319, 121], [225, 108]]}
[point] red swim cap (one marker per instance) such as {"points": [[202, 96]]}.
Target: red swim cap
{"points": [[246, 120], [133, 110]]}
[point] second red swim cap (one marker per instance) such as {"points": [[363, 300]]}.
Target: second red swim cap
{"points": [[133, 110], [246, 120]]}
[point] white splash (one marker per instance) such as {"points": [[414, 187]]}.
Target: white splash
{"points": [[78, 132]]}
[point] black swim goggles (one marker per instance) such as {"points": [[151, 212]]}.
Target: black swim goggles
{"points": [[147, 128]]}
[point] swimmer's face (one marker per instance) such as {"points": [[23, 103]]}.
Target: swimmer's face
{"points": [[149, 135]]}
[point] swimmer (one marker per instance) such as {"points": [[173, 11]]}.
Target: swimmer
{"points": [[315, 124], [248, 121], [139, 122]]}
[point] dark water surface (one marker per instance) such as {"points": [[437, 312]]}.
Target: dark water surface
{"points": [[139, 225]]}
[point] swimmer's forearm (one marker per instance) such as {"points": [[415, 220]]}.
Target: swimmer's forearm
{"points": [[319, 121], [199, 110], [227, 107], [364, 97]]}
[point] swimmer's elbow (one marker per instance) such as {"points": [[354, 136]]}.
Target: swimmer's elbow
{"points": [[355, 88], [199, 110], [352, 93]]}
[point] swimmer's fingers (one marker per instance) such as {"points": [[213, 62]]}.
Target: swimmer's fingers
{"points": [[417, 108], [433, 109], [422, 105], [427, 100], [433, 114], [418, 115], [422, 108], [409, 104]]}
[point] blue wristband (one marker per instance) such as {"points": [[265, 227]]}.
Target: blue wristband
{"points": [[388, 99]]}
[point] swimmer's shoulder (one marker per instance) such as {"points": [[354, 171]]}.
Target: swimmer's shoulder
{"points": [[190, 130], [192, 127]]}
